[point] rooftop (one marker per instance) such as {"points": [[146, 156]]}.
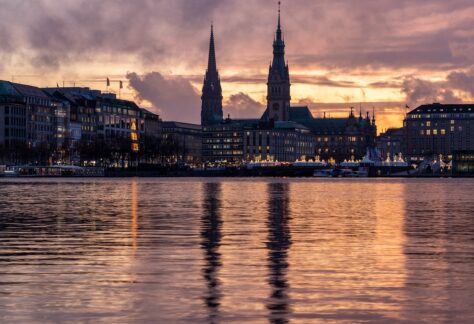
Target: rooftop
{"points": [[443, 108], [175, 124]]}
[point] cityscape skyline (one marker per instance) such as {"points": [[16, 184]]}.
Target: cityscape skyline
{"points": [[385, 57]]}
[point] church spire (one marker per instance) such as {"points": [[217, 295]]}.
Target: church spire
{"points": [[211, 109], [212, 64], [279, 25]]}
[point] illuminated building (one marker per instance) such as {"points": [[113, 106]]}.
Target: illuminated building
{"points": [[185, 141], [463, 163], [439, 129], [391, 142], [33, 119], [13, 116], [101, 115]]}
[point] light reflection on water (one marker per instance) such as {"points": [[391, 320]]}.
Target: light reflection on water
{"points": [[232, 250]]}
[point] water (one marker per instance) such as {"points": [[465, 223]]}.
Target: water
{"points": [[230, 250]]}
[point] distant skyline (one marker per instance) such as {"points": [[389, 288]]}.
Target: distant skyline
{"points": [[384, 53]]}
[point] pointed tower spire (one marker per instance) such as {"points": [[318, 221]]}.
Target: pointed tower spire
{"points": [[279, 12], [278, 85], [211, 109], [212, 64]]}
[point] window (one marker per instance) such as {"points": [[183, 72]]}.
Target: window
{"points": [[443, 132], [435, 132], [428, 124]]}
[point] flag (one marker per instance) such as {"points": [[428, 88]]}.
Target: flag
{"points": [[108, 82], [121, 84], [407, 107]]}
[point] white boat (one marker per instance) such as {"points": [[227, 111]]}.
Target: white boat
{"points": [[10, 173]]}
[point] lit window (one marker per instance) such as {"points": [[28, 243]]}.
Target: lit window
{"points": [[443, 132]]}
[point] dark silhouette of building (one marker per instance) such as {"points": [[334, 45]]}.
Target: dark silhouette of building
{"points": [[211, 109], [338, 138], [439, 129], [211, 238], [279, 242], [391, 142], [186, 139], [278, 86]]}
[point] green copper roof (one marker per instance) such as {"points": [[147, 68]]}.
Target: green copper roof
{"points": [[6, 89]]}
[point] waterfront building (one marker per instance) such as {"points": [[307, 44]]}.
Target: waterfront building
{"points": [[463, 163], [153, 124], [338, 139], [13, 116], [284, 141], [439, 129], [102, 116], [32, 121], [391, 143], [183, 142], [224, 141]]}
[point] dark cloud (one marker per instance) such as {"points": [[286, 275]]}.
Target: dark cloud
{"points": [[419, 91], [463, 81], [342, 34], [241, 105], [173, 98], [322, 81]]}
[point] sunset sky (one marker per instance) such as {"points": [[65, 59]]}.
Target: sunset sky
{"points": [[383, 53]]}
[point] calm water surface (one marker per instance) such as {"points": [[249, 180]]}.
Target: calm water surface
{"points": [[230, 250]]}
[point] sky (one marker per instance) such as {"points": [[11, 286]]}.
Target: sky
{"points": [[380, 55]]}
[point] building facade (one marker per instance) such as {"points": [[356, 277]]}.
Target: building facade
{"points": [[13, 116], [439, 129], [391, 143], [280, 141], [223, 142], [185, 142], [56, 125]]}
